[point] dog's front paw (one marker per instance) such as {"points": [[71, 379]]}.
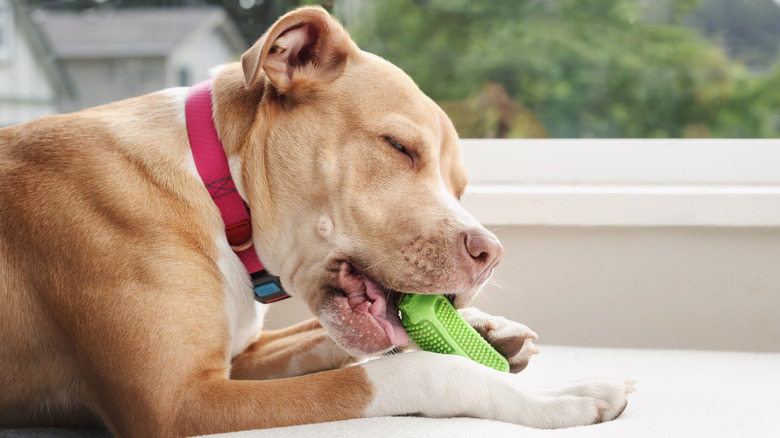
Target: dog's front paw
{"points": [[609, 396], [512, 339]]}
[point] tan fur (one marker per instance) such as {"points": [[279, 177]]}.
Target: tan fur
{"points": [[113, 301], [301, 349]]}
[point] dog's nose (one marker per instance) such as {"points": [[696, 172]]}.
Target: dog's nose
{"points": [[483, 251]]}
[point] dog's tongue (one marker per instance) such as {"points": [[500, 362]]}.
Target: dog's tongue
{"points": [[368, 308]]}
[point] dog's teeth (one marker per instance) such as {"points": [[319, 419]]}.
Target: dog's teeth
{"points": [[530, 334]]}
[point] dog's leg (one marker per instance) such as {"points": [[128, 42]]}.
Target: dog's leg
{"points": [[301, 349], [186, 390], [446, 385], [422, 383], [511, 339], [305, 348]]}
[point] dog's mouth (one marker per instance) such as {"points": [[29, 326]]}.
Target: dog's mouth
{"points": [[368, 311]]}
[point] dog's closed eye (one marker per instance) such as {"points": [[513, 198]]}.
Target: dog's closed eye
{"points": [[399, 146]]}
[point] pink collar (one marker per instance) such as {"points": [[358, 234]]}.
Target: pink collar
{"points": [[212, 164]]}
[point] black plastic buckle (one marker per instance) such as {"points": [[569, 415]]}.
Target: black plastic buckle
{"points": [[268, 288]]}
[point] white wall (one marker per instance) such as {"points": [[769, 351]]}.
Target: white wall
{"points": [[199, 53], [629, 243], [25, 91], [635, 243], [649, 287], [103, 80], [99, 81]]}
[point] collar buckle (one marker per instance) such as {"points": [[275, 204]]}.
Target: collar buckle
{"points": [[268, 288], [239, 235]]}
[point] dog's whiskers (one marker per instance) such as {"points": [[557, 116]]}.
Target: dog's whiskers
{"points": [[375, 265], [498, 284], [390, 287]]}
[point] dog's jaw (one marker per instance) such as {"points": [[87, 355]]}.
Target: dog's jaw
{"points": [[366, 313], [360, 313]]}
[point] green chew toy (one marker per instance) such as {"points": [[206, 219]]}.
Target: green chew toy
{"points": [[434, 325]]}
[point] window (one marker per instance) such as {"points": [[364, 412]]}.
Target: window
{"points": [[584, 69], [524, 68], [624, 182]]}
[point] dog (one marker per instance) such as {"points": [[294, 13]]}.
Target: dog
{"points": [[127, 305]]}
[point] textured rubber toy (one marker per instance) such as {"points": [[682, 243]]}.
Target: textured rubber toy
{"points": [[434, 325]]}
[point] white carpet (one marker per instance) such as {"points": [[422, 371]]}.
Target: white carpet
{"points": [[679, 394]]}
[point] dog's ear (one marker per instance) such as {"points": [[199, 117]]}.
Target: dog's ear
{"points": [[304, 48]]}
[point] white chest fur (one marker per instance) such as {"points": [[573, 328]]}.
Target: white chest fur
{"points": [[245, 315]]}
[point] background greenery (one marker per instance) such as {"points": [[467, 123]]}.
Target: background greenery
{"points": [[565, 68]]}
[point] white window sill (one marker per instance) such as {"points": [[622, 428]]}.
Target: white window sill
{"points": [[624, 182]]}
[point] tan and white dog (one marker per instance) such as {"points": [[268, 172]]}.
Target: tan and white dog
{"points": [[124, 305]]}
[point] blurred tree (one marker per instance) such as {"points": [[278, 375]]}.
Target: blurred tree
{"points": [[668, 11], [493, 114], [753, 111], [749, 30], [585, 68]]}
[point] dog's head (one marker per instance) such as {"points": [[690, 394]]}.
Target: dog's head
{"points": [[353, 176]]}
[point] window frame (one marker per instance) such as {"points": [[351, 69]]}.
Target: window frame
{"points": [[624, 182]]}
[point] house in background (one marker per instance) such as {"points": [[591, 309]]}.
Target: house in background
{"points": [[32, 82], [116, 54]]}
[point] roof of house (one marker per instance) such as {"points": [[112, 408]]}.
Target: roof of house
{"points": [[131, 32]]}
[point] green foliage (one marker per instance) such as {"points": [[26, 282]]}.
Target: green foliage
{"points": [[748, 29], [753, 111], [584, 68]]}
